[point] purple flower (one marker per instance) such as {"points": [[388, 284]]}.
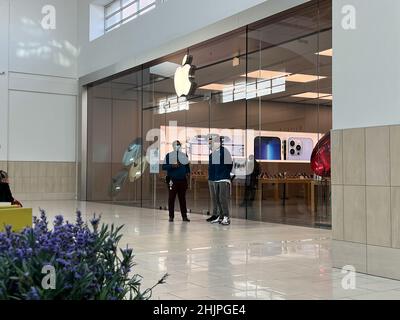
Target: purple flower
{"points": [[79, 221], [58, 220], [33, 294], [8, 229], [86, 260], [95, 222]]}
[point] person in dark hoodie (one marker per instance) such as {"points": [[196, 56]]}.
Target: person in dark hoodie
{"points": [[5, 191], [176, 164], [219, 180]]}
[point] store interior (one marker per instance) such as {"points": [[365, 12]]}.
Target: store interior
{"points": [[266, 88]]}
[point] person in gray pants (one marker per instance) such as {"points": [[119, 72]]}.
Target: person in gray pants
{"points": [[219, 179]]}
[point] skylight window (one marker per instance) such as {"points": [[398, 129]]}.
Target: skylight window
{"points": [[119, 12]]}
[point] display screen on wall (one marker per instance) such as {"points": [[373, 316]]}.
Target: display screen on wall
{"points": [[266, 146]]}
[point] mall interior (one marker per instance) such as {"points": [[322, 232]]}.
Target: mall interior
{"points": [[90, 106]]}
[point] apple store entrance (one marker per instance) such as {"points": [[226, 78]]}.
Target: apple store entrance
{"points": [[266, 89]]}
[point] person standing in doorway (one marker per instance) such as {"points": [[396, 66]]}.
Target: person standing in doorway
{"points": [[176, 164], [219, 179]]}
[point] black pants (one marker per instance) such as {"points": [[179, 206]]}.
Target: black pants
{"points": [[178, 188]]}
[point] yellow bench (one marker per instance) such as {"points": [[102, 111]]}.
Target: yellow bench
{"points": [[18, 218], [9, 207]]}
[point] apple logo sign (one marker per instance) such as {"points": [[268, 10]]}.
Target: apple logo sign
{"points": [[184, 78]]}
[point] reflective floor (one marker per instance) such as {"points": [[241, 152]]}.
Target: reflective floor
{"points": [[247, 260]]}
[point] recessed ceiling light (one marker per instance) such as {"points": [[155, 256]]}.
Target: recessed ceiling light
{"points": [[266, 74], [304, 78], [213, 87], [327, 53], [165, 69], [330, 97], [314, 95]]}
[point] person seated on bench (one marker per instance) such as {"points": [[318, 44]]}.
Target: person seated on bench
{"points": [[5, 191]]}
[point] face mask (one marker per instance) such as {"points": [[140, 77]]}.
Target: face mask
{"points": [[216, 145], [178, 148]]}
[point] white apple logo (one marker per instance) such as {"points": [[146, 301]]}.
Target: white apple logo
{"points": [[184, 78]]}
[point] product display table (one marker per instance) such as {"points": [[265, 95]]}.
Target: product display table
{"points": [[194, 181], [309, 184], [275, 182]]}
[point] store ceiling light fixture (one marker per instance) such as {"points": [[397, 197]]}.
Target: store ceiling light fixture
{"points": [[292, 77], [314, 95], [266, 74], [166, 69], [172, 104], [240, 89], [303, 78], [213, 87], [326, 53]]}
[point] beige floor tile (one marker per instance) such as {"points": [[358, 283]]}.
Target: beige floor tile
{"points": [[249, 260]]}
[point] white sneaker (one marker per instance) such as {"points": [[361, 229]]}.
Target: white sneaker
{"points": [[218, 220], [226, 221]]}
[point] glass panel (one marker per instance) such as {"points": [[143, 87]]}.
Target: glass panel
{"points": [[99, 173], [114, 141], [159, 101], [113, 20], [130, 11], [287, 116], [196, 145], [127, 2], [145, 3], [127, 158], [324, 60], [148, 4], [155, 192], [225, 84], [265, 90], [113, 7]]}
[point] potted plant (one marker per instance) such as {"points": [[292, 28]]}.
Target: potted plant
{"points": [[71, 261]]}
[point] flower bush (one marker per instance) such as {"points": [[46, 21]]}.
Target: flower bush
{"points": [[87, 262]]}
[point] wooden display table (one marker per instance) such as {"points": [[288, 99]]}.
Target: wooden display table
{"points": [[194, 180], [275, 182], [309, 184]]}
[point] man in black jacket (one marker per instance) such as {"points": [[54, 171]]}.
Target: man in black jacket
{"points": [[177, 165]]}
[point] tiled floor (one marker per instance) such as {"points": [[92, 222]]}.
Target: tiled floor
{"points": [[247, 260]]}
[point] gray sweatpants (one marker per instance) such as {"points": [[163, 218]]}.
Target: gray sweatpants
{"points": [[220, 193]]}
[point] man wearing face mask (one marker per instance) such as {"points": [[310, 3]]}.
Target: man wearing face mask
{"points": [[219, 179], [176, 164]]}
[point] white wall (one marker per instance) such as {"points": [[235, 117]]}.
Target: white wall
{"points": [[4, 21], [171, 26], [38, 94], [366, 65], [42, 127], [39, 51]]}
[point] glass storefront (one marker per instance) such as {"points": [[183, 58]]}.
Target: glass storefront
{"points": [[266, 88]]}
